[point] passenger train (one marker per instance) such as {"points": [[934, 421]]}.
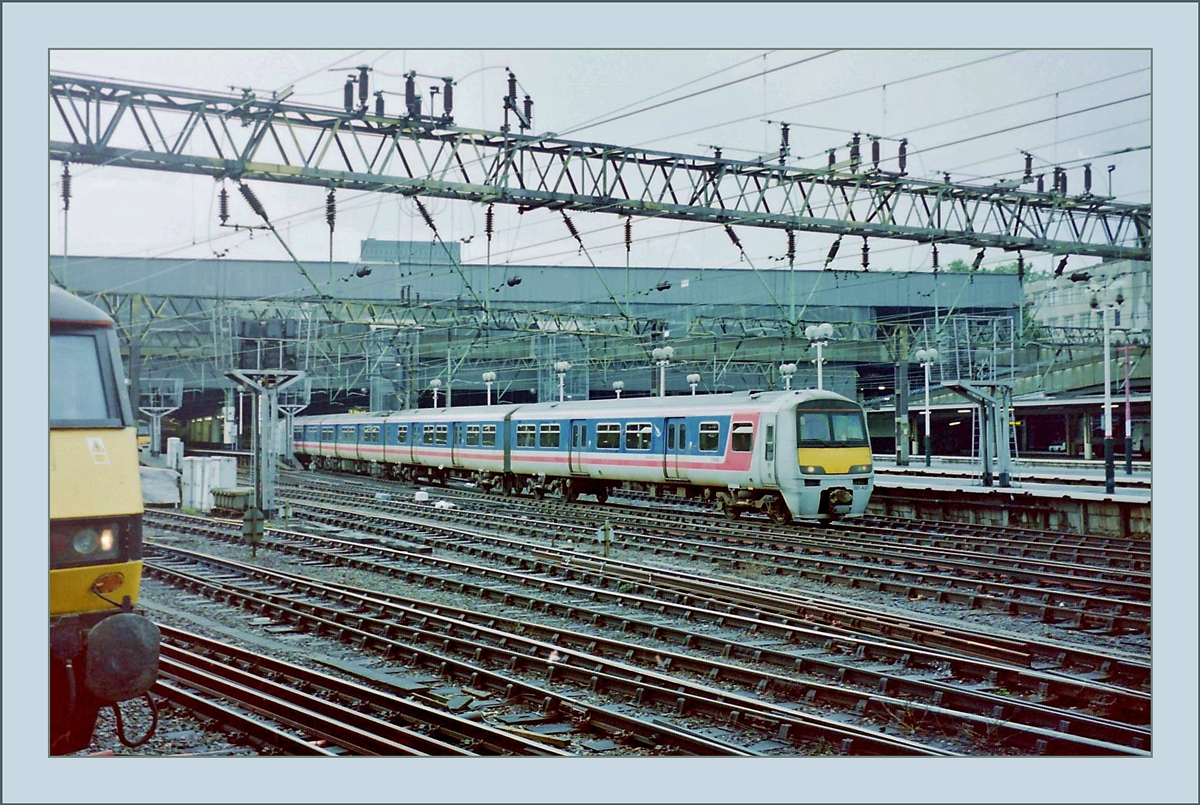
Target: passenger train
{"points": [[787, 454], [101, 652]]}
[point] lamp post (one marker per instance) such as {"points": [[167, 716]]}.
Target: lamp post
{"points": [[1106, 298], [818, 336], [562, 367], [787, 370], [663, 356], [435, 384], [926, 357], [693, 381], [618, 385], [488, 379]]}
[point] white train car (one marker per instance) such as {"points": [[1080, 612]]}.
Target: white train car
{"points": [[787, 453]]}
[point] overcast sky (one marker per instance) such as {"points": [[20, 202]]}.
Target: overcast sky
{"points": [[125, 212]]}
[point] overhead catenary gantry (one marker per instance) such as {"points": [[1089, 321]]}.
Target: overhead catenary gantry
{"points": [[247, 137]]}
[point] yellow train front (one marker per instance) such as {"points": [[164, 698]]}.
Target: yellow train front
{"points": [[101, 652]]}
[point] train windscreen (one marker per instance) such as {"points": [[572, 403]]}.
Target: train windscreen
{"points": [[830, 423], [77, 388]]}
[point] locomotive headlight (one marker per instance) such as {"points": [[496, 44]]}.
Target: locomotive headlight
{"points": [[859, 468], [809, 469], [83, 543]]}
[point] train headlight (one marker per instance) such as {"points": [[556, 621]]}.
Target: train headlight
{"points": [[83, 543], [810, 469], [860, 468]]}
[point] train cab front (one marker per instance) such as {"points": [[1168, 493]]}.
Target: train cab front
{"points": [[834, 454]]}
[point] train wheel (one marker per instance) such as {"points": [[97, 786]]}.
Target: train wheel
{"points": [[602, 494], [778, 512], [725, 504]]}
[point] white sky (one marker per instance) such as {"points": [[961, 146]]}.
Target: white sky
{"points": [[141, 213]]}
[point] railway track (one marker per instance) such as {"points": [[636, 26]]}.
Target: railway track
{"points": [[977, 696], [1077, 595]]}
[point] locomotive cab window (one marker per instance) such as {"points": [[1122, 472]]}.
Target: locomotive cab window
{"points": [[78, 393], [489, 435], [742, 440], [830, 423], [710, 436], [608, 436]]}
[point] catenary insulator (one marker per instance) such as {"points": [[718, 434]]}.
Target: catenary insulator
{"points": [[425, 214], [946, 178], [628, 234], [783, 142], [529, 111], [866, 255], [978, 260], [66, 186], [571, 228], [379, 104], [1041, 183], [330, 209], [903, 156], [447, 96], [791, 252], [489, 221], [875, 152], [223, 206], [833, 250], [253, 201], [348, 95], [363, 93], [512, 87], [410, 92], [854, 153], [733, 236], [1064, 182], [935, 260], [1020, 267], [1087, 178], [832, 157], [1028, 168]]}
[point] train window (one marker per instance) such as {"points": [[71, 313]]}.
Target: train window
{"points": [[637, 435], [489, 435], [548, 436], [742, 440], [608, 436], [526, 434], [298, 433], [710, 436], [347, 434], [769, 448], [443, 434], [427, 435], [683, 436], [402, 434], [671, 436], [833, 424], [473, 435], [327, 433], [77, 392], [371, 434]]}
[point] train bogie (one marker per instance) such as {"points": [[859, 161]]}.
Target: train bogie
{"points": [[784, 454]]}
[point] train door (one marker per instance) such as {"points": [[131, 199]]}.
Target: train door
{"points": [[674, 447], [578, 445], [458, 439], [770, 448]]}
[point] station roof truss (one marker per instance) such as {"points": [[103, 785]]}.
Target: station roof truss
{"points": [[247, 137]]}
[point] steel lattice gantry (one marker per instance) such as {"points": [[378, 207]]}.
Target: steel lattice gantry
{"points": [[243, 136]]}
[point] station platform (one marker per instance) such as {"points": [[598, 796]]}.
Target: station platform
{"points": [[1042, 495]]}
